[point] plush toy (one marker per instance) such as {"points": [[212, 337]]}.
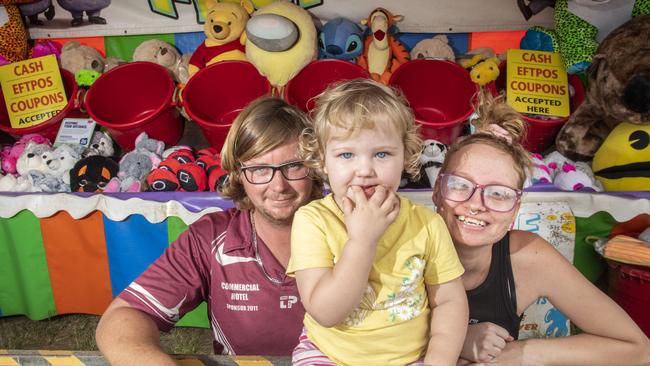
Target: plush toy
{"points": [[433, 155], [75, 57], [100, 144], [224, 34], [484, 71], [382, 53], [165, 55], [64, 157], [436, 48], [92, 173], [281, 40], [30, 11], [340, 39], [143, 142], [618, 90], [91, 7], [622, 163], [540, 172], [13, 35], [32, 158], [134, 167], [44, 47], [43, 182], [570, 178], [10, 154]]}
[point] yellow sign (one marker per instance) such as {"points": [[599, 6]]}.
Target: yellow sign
{"points": [[33, 90], [537, 83]]}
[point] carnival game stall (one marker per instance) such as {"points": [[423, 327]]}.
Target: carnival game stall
{"points": [[134, 102]]}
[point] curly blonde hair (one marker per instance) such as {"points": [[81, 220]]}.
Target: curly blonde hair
{"points": [[360, 104], [264, 125], [494, 111]]}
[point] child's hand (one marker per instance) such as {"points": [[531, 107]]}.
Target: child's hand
{"points": [[368, 218], [484, 342]]}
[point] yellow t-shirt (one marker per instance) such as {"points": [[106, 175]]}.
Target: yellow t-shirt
{"points": [[390, 326]]}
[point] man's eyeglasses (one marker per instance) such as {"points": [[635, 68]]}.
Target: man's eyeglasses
{"points": [[494, 196], [262, 174]]}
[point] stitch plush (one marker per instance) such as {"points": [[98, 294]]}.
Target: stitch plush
{"points": [[340, 39], [436, 48], [281, 40], [618, 91], [224, 34], [91, 7], [382, 53]]}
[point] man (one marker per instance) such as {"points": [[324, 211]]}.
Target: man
{"points": [[234, 260]]}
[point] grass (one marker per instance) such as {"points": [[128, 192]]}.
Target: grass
{"points": [[77, 333]]}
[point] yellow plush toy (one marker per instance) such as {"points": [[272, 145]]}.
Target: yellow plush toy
{"points": [[281, 40], [482, 69], [224, 31], [622, 163]]}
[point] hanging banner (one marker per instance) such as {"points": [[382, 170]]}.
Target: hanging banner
{"points": [[180, 16], [33, 90]]}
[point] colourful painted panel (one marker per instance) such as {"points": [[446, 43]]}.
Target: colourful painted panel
{"points": [[498, 41], [122, 47], [94, 42], [24, 275], [79, 273], [132, 245], [188, 42]]}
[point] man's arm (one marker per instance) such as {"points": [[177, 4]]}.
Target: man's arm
{"points": [[127, 336]]}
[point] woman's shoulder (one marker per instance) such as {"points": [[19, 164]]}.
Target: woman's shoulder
{"points": [[531, 250]]}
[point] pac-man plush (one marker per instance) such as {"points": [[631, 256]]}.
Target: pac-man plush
{"points": [[622, 163], [92, 174], [281, 40]]}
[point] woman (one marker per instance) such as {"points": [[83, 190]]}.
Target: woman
{"points": [[478, 194]]}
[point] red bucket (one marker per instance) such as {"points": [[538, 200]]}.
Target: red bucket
{"points": [[48, 128], [215, 95], [316, 77], [133, 98], [629, 286], [541, 133], [440, 94]]}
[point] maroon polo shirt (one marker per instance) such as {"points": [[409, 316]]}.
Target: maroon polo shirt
{"points": [[215, 261]]}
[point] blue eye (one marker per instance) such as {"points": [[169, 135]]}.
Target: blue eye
{"points": [[345, 155], [381, 154]]}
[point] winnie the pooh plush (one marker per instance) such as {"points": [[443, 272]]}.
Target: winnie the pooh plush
{"points": [[618, 90], [225, 37]]}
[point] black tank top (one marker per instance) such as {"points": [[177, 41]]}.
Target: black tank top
{"points": [[495, 300]]}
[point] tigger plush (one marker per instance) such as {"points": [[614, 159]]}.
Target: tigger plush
{"points": [[383, 53], [13, 35]]}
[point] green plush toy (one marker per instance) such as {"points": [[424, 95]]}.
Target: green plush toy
{"points": [[575, 38]]}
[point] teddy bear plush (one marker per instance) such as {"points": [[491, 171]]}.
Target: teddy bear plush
{"points": [[165, 55], [76, 56], [436, 48], [224, 31], [618, 91]]}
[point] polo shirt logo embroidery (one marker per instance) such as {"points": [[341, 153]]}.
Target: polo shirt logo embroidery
{"points": [[287, 301], [223, 258]]}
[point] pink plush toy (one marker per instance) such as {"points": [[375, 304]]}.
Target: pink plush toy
{"points": [[44, 47], [10, 154], [541, 173], [571, 179]]}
